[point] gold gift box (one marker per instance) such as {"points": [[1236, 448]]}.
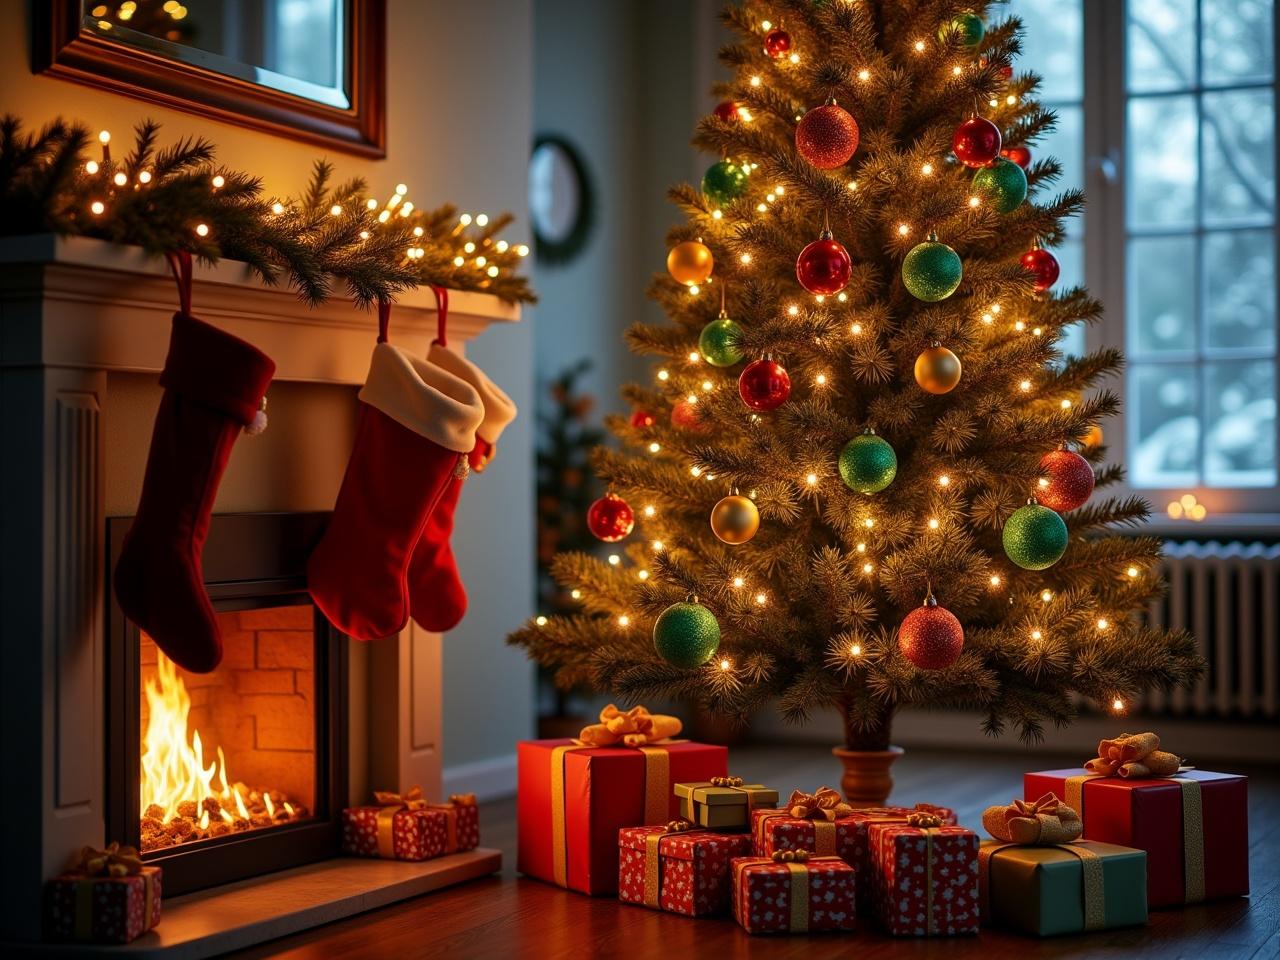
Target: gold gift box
{"points": [[709, 804]]}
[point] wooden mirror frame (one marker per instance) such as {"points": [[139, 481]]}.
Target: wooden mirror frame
{"points": [[62, 48]]}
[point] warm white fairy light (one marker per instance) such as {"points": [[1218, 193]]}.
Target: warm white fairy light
{"points": [[144, 176], [755, 81], [694, 356], [995, 579], [794, 58], [739, 583], [663, 375], [202, 229], [642, 574], [766, 25], [1011, 99], [993, 102], [1043, 483], [919, 46], [277, 208], [649, 510], [864, 75], [459, 261], [793, 310], [726, 664], [745, 259], [811, 479], [861, 548], [501, 246], [465, 219], [576, 593], [614, 559], [868, 567], [624, 621], [1102, 623], [481, 261], [1046, 595], [97, 207], [1117, 705], [91, 167], [219, 182], [717, 214], [988, 319], [335, 210], [868, 523], [1036, 635], [927, 169], [482, 220], [1019, 325], [820, 380], [1036, 331], [975, 201], [761, 599], [842, 297], [655, 446], [104, 137], [944, 481], [541, 621], [957, 70], [1132, 571], [903, 229], [468, 247], [855, 328], [120, 179], [933, 523], [820, 298], [658, 546], [1024, 386], [1066, 404]]}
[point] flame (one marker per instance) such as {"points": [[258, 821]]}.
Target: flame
{"points": [[173, 764]]}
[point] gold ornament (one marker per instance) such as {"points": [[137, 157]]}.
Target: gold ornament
{"points": [[938, 369], [1092, 437], [690, 262], [735, 519]]}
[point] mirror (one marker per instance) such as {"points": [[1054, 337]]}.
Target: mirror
{"points": [[560, 199], [314, 65]]}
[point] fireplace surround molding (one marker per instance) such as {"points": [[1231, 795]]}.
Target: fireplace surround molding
{"points": [[73, 310]]}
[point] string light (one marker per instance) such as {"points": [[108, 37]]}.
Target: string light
{"points": [[501, 246], [482, 220], [468, 247], [541, 621], [459, 261], [761, 599], [868, 523], [384, 216], [465, 219], [903, 229], [624, 621], [335, 210], [793, 310], [219, 182], [1024, 386], [995, 579], [97, 207], [655, 446], [944, 481], [277, 208], [726, 664], [975, 201], [811, 479], [1132, 571], [993, 102], [1066, 404], [1011, 99], [864, 75], [717, 214], [820, 379], [576, 594], [1019, 326], [1036, 635], [694, 356], [755, 81], [855, 650], [1117, 705], [852, 184], [739, 583], [1036, 331], [927, 169], [745, 259], [643, 574], [1046, 595], [202, 230], [120, 179], [144, 176], [861, 548], [868, 567], [919, 46], [842, 297], [995, 308], [104, 137], [1103, 624], [933, 523], [855, 328], [650, 510], [522, 250], [658, 546], [794, 58], [694, 289], [614, 559], [91, 167], [956, 71]]}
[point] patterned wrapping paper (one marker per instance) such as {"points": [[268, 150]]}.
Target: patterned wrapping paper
{"points": [[773, 896], [395, 834], [103, 909], [683, 872], [925, 880]]}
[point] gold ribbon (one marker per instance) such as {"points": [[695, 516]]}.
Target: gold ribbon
{"points": [[391, 804], [824, 806], [1192, 839], [1134, 755], [1092, 878], [559, 851], [115, 861], [450, 810], [653, 859], [633, 728], [929, 824], [1044, 821], [1073, 791]]}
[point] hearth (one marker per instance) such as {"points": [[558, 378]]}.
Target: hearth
{"points": [[243, 770]]}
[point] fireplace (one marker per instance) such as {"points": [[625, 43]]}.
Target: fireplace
{"points": [[241, 771]]}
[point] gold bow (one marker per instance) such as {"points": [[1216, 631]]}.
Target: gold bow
{"points": [[823, 804], [634, 728], [410, 800], [790, 856], [1044, 821], [924, 820], [463, 799], [1134, 755], [114, 861], [678, 826], [726, 782]]}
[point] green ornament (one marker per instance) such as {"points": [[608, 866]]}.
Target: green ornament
{"points": [[931, 271], [686, 634], [1035, 537], [724, 182], [718, 342], [967, 26], [1003, 185], [867, 464]]}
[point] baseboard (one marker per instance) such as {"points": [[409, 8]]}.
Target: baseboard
{"points": [[491, 779]]}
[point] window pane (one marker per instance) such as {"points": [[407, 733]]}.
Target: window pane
{"points": [[1066, 143], [1162, 161], [1240, 436], [1239, 157], [1051, 41], [1162, 295], [1236, 44], [1162, 44], [1164, 425], [1241, 303]]}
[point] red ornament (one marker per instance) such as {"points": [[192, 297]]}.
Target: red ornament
{"points": [[827, 136], [764, 385], [684, 416], [824, 266], [1019, 155], [1043, 265], [610, 518], [931, 637], [777, 43], [1067, 482], [727, 110], [642, 419], [976, 142]]}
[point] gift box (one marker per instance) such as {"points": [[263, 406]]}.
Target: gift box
{"points": [[574, 797], [1193, 826], [924, 877], [678, 869], [406, 827], [1045, 890], [110, 897], [793, 893], [723, 803]]}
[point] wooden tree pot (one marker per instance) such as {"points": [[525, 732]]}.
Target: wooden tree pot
{"points": [[866, 781]]}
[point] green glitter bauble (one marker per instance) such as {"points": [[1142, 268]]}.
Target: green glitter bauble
{"points": [[724, 182], [867, 464], [687, 634], [718, 342], [931, 271], [967, 26], [1035, 537], [1003, 185]]}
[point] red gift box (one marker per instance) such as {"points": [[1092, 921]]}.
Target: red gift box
{"points": [[103, 908], [1194, 827], [684, 872], [777, 896], [574, 798], [925, 879]]}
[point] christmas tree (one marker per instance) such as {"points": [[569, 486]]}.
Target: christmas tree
{"points": [[864, 474]]}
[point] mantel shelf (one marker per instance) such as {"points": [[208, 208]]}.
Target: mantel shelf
{"points": [[89, 304]]}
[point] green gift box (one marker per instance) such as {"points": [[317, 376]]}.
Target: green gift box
{"points": [[724, 803], [1062, 888]]}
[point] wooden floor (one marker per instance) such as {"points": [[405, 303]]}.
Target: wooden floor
{"points": [[508, 916]]}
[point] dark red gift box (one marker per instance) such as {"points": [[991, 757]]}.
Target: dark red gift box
{"points": [[682, 872], [573, 800], [103, 909], [394, 833], [1194, 827], [925, 880], [813, 895]]}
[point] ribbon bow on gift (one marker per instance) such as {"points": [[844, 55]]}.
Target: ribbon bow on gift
{"points": [[790, 856], [823, 804], [729, 782], [115, 861], [412, 799], [634, 728], [463, 799], [1044, 821], [1134, 755], [924, 820]]}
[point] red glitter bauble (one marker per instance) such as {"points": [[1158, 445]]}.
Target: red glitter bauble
{"points": [[1067, 482], [642, 419], [610, 518], [1019, 155], [1043, 265], [684, 416], [727, 110], [976, 142], [764, 385], [777, 43], [827, 136], [824, 266], [931, 637]]}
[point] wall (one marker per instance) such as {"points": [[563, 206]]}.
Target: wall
{"points": [[459, 127]]}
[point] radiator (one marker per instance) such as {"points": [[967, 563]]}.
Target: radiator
{"points": [[1228, 597]]}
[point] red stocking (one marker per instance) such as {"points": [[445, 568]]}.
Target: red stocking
{"points": [[417, 421], [213, 388]]}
